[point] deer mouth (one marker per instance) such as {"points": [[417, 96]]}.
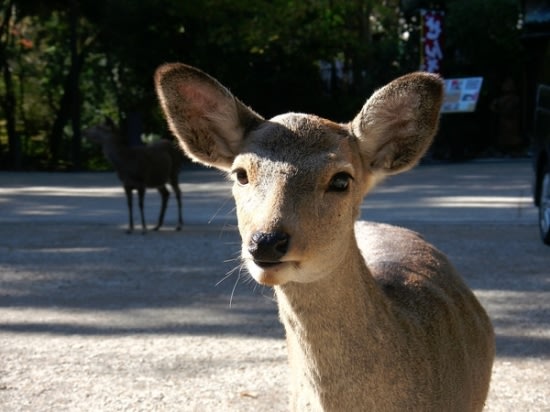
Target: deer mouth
{"points": [[267, 264], [269, 272]]}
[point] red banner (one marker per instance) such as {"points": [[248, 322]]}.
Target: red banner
{"points": [[431, 50]]}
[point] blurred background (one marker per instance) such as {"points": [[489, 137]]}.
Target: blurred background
{"points": [[67, 64]]}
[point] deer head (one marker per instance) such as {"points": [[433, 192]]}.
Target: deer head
{"points": [[299, 179]]}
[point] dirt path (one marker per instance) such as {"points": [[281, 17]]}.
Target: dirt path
{"points": [[92, 319]]}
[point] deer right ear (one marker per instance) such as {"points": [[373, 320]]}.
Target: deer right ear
{"points": [[209, 122], [397, 123]]}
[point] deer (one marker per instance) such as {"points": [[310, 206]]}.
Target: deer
{"points": [[141, 167], [376, 318]]}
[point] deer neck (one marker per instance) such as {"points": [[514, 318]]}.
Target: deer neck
{"points": [[115, 152], [350, 291], [334, 327]]}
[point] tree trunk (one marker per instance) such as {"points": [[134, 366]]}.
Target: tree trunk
{"points": [[75, 89], [9, 100], [359, 53], [69, 105]]}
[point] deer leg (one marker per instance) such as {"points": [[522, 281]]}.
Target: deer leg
{"points": [[164, 194], [128, 191], [141, 195], [177, 191]]}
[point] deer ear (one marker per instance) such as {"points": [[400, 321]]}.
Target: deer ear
{"points": [[209, 122], [397, 123]]}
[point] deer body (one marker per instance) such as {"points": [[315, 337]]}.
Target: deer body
{"points": [[376, 319], [141, 167], [401, 326]]}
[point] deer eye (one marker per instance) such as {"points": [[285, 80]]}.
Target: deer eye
{"points": [[339, 182], [241, 176]]}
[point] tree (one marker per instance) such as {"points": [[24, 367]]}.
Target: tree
{"points": [[494, 26], [9, 99], [53, 33], [68, 63], [79, 44]]}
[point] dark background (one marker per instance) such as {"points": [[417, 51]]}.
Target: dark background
{"points": [[67, 64]]}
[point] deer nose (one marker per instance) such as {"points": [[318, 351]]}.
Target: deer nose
{"points": [[268, 247]]}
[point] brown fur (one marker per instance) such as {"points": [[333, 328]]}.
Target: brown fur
{"points": [[141, 167], [376, 318]]}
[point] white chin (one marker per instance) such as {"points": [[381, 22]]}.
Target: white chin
{"points": [[282, 273], [271, 276]]}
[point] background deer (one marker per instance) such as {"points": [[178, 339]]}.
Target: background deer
{"points": [[141, 167], [376, 319]]}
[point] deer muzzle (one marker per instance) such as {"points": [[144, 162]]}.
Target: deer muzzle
{"points": [[267, 249]]}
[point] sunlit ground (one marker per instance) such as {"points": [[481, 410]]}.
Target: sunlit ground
{"points": [[167, 321]]}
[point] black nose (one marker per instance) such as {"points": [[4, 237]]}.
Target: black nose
{"points": [[268, 247]]}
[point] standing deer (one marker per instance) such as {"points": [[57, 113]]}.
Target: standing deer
{"points": [[141, 167], [376, 319]]}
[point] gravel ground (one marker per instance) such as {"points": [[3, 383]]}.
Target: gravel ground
{"points": [[92, 319]]}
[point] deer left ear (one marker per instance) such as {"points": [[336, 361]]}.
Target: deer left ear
{"points": [[209, 122], [397, 123]]}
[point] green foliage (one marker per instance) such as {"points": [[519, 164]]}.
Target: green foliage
{"points": [[485, 35], [73, 62]]}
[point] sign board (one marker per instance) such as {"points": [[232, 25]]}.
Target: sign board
{"points": [[431, 47], [461, 95]]}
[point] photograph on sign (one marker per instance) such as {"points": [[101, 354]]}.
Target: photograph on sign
{"points": [[461, 94]]}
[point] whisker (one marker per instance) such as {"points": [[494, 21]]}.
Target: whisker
{"points": [[217, 212], [228, 274], [272, 297], [235, 286], [226, 228]]}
